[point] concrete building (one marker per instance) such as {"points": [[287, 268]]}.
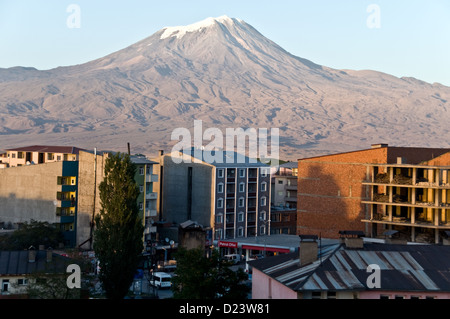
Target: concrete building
{"points": [[38, 154], [410, 200], [91, 174], [65, 192], [283, 217], [225, 192], [333, 270], [45, 192], [333, 195]]}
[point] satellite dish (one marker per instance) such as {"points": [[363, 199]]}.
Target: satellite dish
{"points": [[167, 240], [172, 242]]}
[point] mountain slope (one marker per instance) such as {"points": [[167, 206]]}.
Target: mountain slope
{"points": [[224, 72]]}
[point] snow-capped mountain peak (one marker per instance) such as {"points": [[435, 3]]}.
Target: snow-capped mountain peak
{"points": [[180, 31]]}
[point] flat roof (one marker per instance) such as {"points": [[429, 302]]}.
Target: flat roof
{"points": [[47, 149]]}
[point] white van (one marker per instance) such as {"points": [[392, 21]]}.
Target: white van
{"points": [[161, 280], [234, 258]]}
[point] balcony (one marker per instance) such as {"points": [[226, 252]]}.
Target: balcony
{"points": [[151, 195], [150, 212], [151, 178]]}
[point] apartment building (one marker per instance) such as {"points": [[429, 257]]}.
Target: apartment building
{"points": [[333, 193], [63, 190], [38, 154], [411, 201], [224, 191], [46, 192], [283, 217]]}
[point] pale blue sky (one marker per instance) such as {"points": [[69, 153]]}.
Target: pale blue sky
{"points": [[413, 38]]}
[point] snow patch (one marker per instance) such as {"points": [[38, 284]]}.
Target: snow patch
{"points": [[180, 31]]}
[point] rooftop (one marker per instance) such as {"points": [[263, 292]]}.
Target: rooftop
{"points": [[403, 268], [47, 149], [16, 263]]}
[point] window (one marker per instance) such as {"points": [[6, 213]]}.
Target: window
{"points": [[141, 171], [141, 206], [280, 182], [220, 203], [22, 281], [13, 155], [241, 187], [384, 297], [331, 295], [241, 202], [263, 186], [263, 215], [263, 201], [241, 217], [220, 173], [218, 234], [220, 188], [316, 295], [262, 230], [242, 172], [264, 172], [240, 232], [219, 219], [141, 188]]}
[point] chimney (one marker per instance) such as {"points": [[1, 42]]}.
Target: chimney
{"points": [[49, 254], [309, 251], [31, 254], [401, 160], [352, 239], [380, 145], [160, 153]]}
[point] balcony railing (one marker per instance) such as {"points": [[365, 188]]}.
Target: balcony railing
{"points": [[151, 195]]}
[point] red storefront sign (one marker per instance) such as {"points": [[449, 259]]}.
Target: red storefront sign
{"points": [[229, 244], [262, 248]]}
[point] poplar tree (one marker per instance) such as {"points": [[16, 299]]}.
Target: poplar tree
{"points": [[118, 230]]}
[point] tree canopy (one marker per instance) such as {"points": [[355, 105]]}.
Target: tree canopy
{"points": [[201, 277], [118, 234]]}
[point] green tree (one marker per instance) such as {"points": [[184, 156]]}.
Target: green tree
{"points": [[118, 228], [34, 233], [201, 277]]}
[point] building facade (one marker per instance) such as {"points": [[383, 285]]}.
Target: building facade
{"points": [[331, 192], [413, 200], [39, 154], [283, 218], [45, 192], [229, 195]]}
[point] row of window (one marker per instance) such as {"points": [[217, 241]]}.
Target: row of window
{"points": [[239, 233], [230, 173], [240, 217], [241, 202], [220, 187]]}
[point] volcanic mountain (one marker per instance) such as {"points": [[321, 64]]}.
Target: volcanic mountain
{"points": [[224, 72]]}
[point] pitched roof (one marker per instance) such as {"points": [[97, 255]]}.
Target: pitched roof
{"points": [[16, 263], [47, 149], [402, 268]]}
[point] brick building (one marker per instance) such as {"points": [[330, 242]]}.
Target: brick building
{"points": [[331, 189]]}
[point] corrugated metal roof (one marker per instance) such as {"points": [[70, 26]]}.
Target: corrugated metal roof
{"points": [[403, 267], [16, 263]]}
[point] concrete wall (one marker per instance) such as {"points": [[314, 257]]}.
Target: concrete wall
{"points": [[265, 287], [175, 192], [30, 192], [88, 203]]}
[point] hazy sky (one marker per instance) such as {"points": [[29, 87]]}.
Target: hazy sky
{"points": [[402, 38]]}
